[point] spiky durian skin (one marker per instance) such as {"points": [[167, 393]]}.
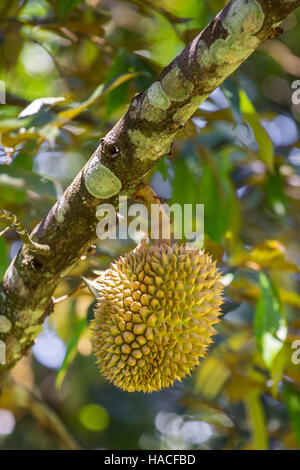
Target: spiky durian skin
{"points": [[155, 314]]}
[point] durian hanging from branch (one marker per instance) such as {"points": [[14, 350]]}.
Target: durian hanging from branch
{"points": [[155, 315]]}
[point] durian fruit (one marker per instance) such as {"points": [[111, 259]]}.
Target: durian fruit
{"points": [[154, 318]]}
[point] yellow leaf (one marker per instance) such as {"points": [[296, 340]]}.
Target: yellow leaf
{"points": [[268, 254], [257, 419], [100, 91]]}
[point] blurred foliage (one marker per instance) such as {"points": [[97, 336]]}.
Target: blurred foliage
{"points": [[71, 68]]}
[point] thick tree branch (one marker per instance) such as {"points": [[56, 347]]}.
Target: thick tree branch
{"points": [[143, 136]]}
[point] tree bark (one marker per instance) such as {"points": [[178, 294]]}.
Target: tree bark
{"points": [[137, 142]]}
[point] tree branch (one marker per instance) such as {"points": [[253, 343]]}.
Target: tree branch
{"points": [[143, 136], [21, 230]]}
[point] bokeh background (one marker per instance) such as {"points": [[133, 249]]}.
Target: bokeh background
{"points": [[70, 68]]}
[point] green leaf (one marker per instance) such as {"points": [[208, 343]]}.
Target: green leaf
{"points": [[183, 183], [71, 351], [101, 90], [184, 192], [257, 420], [292, 401], [93, 286], [80, 107], [275, 192], [164, 41], [24, 180], [231, 93], [117, 97], [262, 137], [270, 326], [211, 377], [216, 192], [94, 417], [162, 167], [278, 367], [147, 74]]}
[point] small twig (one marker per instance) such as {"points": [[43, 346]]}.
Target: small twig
{"points": [[24, 235]]}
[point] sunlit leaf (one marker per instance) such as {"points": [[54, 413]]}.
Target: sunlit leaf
{"points": [[244, 289], [278, 367], [257, 420], [117, 97], [162, 167], [211, 377], [217, 194], [36, 106], [146, 75], [183, 193], [93, 286], [268, 254]]}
